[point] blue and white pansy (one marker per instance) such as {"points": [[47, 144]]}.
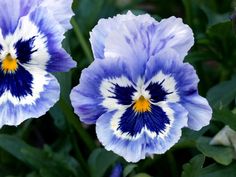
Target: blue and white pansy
{"points": [[138, 91], [30, 48]]}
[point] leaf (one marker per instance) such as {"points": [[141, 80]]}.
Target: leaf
{"points": [[222, 94], [217, 170], [100, 160], [225, 116], [222, 155], [128, 169], [45, 160], [58, 116], [194, 167], [213, 17], [142, 175]]}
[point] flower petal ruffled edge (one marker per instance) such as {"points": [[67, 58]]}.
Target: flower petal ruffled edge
{"points": [[12, 114], [59, 60], [105, 26], [199, 111], [61, 10], [135, 150], [11, 11]]}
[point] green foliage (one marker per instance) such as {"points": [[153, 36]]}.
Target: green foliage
{"points": [[58, 145], [222, 155], [194, 167], [99, 161]]}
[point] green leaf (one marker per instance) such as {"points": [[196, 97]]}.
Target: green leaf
{"points": [[33, 174], [222, 155], [58, 116], [222, 94], [100, 160], [217, 170], [142, 175], [128, 169], [213, 17], [45, 160], [194, 167], [225, 116]]}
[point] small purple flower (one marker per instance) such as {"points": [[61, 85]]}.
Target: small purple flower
{"points": [[117, 170], [138, 91], [31, 32]]}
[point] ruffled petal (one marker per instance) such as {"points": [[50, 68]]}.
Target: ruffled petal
{"points": [[11, 11], [61, 10], [172, 33], [184, 84], [100, 32], [140, 37], [45, 36], [100, 85], [199, 111], [146, 144], [15, 110]]}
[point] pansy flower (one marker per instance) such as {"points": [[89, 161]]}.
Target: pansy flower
{"points": [[31, 32], [138, 91]]}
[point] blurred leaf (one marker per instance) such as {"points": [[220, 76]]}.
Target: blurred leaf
{"points": [[100, 160], [33, 174], [58, 116], [222, 155], [142, 175], [194, 167], [128, 169], [217, 170], [222, 94], [44, 160], [65, 82], [213, 17], [225, 116]]}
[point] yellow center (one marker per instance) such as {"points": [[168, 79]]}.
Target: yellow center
{"points": [[9, 64], [142, 105]]}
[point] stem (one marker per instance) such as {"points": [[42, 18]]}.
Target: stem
{"points": [[73, 121], [79, 156], [82, 40], [172, 163], [188, 11]]}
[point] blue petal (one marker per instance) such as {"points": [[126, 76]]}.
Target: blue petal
{"points": [[87, 98], [117, 171], [186, 79], [200, 112], [175, 34], [61, 10], [15, 111], [132, 122], [105, 26], [50, 35], [11, 11], [136, 38], [18, 83], [168, 63], [134, 150], [24, 49], [157, 92]]}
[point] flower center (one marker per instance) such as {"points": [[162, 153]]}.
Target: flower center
{"points": [[142, 105], [9, 64]]}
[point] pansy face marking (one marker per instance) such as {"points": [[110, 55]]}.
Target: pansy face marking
{"points": [[140, 105], [30, 48], [138, 91]]}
